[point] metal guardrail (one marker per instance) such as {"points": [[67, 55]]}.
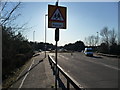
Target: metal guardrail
{"points": [[70, 80]]}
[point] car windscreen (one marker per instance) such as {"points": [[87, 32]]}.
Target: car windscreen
{"points": [[89, 50]]}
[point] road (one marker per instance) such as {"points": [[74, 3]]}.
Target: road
{"points": [[90, 72]]}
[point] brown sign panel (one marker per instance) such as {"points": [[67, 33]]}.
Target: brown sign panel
{"points": [[56, 17]]}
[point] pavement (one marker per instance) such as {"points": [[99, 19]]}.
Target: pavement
{"points": [[36, 74]]}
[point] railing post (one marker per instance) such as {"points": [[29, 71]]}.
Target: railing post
{"points": [[68, 85], [58, 73], [54, 68], [51, 65], [69, 79]]}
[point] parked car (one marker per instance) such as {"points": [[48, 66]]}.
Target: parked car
{"points": [[88, 51]]}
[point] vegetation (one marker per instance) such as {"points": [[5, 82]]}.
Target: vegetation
{"points": [[41, 46], [108, 42], [77, 46], [16, 50]]}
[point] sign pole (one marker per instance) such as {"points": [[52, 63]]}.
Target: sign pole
{"points": [[56, 39], [56, 68], [56, 19]]}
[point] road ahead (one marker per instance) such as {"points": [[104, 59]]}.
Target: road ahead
{"points": [[90, 72]]}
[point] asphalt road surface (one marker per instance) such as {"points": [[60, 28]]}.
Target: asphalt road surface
{"points": [[90, 72]]}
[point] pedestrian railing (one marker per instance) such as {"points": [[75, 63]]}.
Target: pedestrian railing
{"points": [[69, 79]]}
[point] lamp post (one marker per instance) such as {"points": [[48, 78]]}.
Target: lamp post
{"points": [[45, 33], [33, 40], [33, 36], [97, 38]]}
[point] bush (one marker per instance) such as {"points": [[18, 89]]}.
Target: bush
{"points": [[19, 60], [15, 51], [103, 48]]}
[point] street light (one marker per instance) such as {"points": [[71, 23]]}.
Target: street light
{"points": [[33, 40], [97, 38], [33, 36], [45, 33]]}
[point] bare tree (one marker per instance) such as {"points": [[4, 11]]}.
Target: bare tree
{"points": [[97, 39], [86, 41], [113, 36], [91, 40], [8, 15], [105, 33]]}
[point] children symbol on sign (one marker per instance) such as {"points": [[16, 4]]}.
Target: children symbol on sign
{"points": [[57, 16]]}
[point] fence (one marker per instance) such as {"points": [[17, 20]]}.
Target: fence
{"points": [[69, 79]]}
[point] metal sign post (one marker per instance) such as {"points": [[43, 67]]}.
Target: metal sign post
{"points": [[56, 39], [56, 19]]}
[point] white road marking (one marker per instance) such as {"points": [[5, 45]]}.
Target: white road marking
{"points": [[51, 54], [25, 76], [112, 67], [103, 64], [20, 73], [64, 57]]}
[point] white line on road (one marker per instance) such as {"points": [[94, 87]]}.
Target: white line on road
{"points": [[51, 54], [21, 73], [104, 65], [25, 76], [112, 67], [63, 57]]}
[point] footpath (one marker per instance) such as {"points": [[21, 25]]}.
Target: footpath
{"points": [[37, 74]]}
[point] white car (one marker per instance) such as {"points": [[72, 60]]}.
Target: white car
{"points": [[88, 51]]}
